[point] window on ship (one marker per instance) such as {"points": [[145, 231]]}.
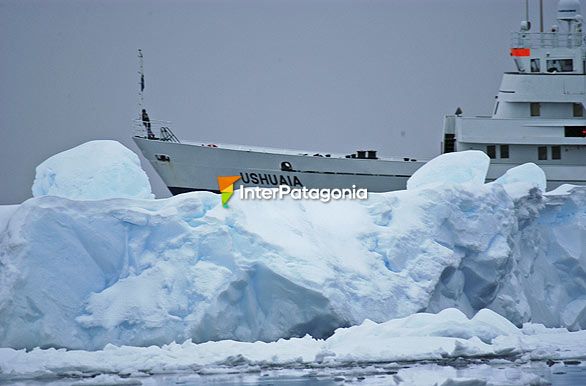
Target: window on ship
{"points": [[556, 152], [504, 151], [578, 109], [542, 153], [575, 131], [491, 151], [535, 66], [560, 65], [535, 109]]}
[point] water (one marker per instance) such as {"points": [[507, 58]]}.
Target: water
{"points": [[501, 372]]}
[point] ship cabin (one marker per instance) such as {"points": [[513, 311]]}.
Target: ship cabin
{"points": [[539, 113]]}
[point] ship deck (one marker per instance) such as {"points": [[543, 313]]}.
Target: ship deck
{"points": [[296, 152]]}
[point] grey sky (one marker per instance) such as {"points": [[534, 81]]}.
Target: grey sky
{"points": [[319, 75]]}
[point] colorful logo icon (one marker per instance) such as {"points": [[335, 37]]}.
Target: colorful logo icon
{"points": [[226, 184]]}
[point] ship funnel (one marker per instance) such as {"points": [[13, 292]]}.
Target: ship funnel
{"points": [[568, 10]]}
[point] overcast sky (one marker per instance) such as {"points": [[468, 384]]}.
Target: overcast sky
{"points": [[324, 75]]}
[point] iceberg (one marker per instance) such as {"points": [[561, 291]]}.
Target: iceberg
{"points": [[6, 212], [464, 167], [95, 170], [84, 274], [519, 180]]}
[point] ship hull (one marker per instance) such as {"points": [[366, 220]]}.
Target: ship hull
{"points": [[188, 167]]}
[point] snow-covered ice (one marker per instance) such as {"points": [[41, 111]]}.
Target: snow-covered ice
{"points": [[519, 180], [95, 170], [6, 211], [439, 337], [122, 274], [465, 167]]}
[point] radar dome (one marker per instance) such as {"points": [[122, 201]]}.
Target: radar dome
{"points": [[568, 9]]}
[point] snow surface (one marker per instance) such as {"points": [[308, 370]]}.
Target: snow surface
{"points": [[465, 167], [448, 334], [519, 180], [95, 170], [82, 274], [6, 211]]}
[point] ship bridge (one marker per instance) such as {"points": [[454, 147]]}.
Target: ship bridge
{"points": [[555, 51], [548, 52]]}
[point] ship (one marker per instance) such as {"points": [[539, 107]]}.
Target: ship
{"points": [[538, 116]]}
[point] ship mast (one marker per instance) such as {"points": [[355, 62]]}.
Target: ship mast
{"points": [[141, 86]]}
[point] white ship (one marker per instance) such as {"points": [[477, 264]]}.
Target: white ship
{"points": [[538, 116]]}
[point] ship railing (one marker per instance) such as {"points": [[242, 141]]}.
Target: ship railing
{"points": [[547, 40], [159, 130]]}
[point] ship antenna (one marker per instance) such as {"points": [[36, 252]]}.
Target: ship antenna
{"points": [[540, 15], [526, 24], [141, 73]]}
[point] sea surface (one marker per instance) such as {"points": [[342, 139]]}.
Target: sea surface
{"points": [[500, 372]]}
